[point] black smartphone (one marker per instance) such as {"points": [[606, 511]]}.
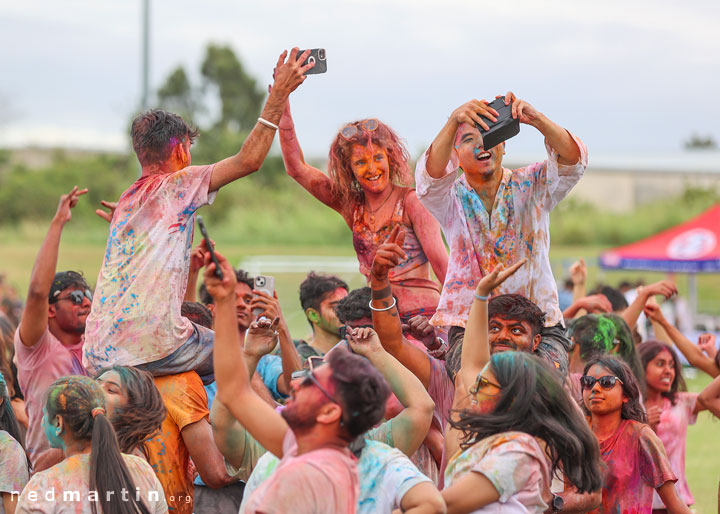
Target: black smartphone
{"points": [[501, 130], [317, 55], [203, 231]]}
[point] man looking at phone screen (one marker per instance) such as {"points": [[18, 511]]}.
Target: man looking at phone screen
{"points": [[491, 215], [136, 319]]}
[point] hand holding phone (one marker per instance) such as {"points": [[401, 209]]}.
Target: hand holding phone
{"points": [[209, 246], [266, 284], [318, 56]]}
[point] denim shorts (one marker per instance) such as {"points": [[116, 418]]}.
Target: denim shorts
{"points": [[196, 354]]}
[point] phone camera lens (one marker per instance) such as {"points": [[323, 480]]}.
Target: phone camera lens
{"points": [[321, 54]]}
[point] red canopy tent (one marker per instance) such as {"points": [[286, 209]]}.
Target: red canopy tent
{"points": [[691, 247]]}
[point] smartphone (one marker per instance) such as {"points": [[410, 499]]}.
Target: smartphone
{"points": [[209, 245], [266, 284], [317, 55]]}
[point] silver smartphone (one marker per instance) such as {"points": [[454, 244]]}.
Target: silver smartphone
{"points": [[266, 284]]}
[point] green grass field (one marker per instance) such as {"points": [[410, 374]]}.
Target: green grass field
{"points": [[82, 248]]}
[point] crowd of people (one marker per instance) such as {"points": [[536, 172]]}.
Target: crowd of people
{"points": [[454, 382]]}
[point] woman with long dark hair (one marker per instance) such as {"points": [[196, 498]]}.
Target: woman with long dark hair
{"points": [[134, 406], [513, 428], [94, 476], [635, 457], [13, 461], [368, 187], [670, 409]]}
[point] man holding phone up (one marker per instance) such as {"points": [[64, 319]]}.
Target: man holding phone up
{"points": [[491, 215], [141, 285]]}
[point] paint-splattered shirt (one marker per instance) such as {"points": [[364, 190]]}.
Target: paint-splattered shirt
{"points": [[13, 467], [386, 475], [135, 315], [636, 466], [672, 431], [186, 402], [323, 481], [38, 367], [64, 488], [516, 466], [517, 227]]}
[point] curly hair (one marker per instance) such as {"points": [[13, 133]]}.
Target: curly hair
{"points": [[144, 413], [533, 401], [355, 306], [632, 409], [344, 184], [648, 351]]}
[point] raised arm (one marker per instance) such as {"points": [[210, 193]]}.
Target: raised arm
{"points": [[476, 345], [34, 319], [197, 261], [427, 230], [588, 305], [230, 436], [578, 276], [386, 320], [288, 76], [632, 313], [312, 179], [231, 374], [709, 398], [692, 353], [410, 427], [442, 146]]}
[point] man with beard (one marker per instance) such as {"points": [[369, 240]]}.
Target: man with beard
{"points": [[491, 215], [328, 408], [49, 339]]}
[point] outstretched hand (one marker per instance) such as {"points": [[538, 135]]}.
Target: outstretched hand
{"points": [[290, 74], [107, 216], [197, 257], [706, 343], [578, 272], [261, 337], [389, 254], [497, 277], [363, 341], [67, 202], [217, 288], [653, 312], [665, 288], [474, 112]]}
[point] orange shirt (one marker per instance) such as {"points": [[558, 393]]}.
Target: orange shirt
{"points": [[186, 402]]}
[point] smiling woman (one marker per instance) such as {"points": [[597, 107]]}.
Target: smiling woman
{"points": [[367, 185]]}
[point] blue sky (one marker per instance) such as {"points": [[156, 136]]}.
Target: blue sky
{"points": [[627, 77]]}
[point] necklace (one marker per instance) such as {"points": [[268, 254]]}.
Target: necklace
{"points": [[372, 212]]}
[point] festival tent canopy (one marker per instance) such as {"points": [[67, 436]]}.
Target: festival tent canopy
{"points": [[691, 247]]}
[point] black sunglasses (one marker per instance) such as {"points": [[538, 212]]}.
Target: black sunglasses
{"points": [[343, 330], [308, 378], [76, 297], [607, 382]]}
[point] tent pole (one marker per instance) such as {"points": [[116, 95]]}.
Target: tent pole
{"points": [[693, 294]]}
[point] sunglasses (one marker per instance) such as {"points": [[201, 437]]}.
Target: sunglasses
{"points": [[607, 382], [76, 297], [343, 330], [481, 383], [352, 129], [308, 378]]}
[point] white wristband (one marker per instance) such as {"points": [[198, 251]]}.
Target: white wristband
{"points": [[267, 123], [394, 303]]}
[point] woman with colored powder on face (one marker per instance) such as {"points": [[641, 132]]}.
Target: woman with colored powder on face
{"points": [[669, 410], [635, 457], [594, 335], [367, 187], [94, 476], [134, 406], [513, 427], [13, 461]]}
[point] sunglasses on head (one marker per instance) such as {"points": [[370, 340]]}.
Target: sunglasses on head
{"points": [[343, 330], [607, 382], [308, 378], [352, 129], [76, 297]]}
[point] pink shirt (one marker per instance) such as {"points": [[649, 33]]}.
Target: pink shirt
{"points": [[38, 367], [323, 481], [517, 227], [636, 466], [672, 431], [135, 315]]}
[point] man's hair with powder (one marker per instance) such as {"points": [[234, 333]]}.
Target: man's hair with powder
{"points": [[155, 133]]}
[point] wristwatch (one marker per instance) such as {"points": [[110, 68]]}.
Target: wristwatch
{"points": [[557, 503]]}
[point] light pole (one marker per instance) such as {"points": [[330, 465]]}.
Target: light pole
{"points": [[145, 100]]}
